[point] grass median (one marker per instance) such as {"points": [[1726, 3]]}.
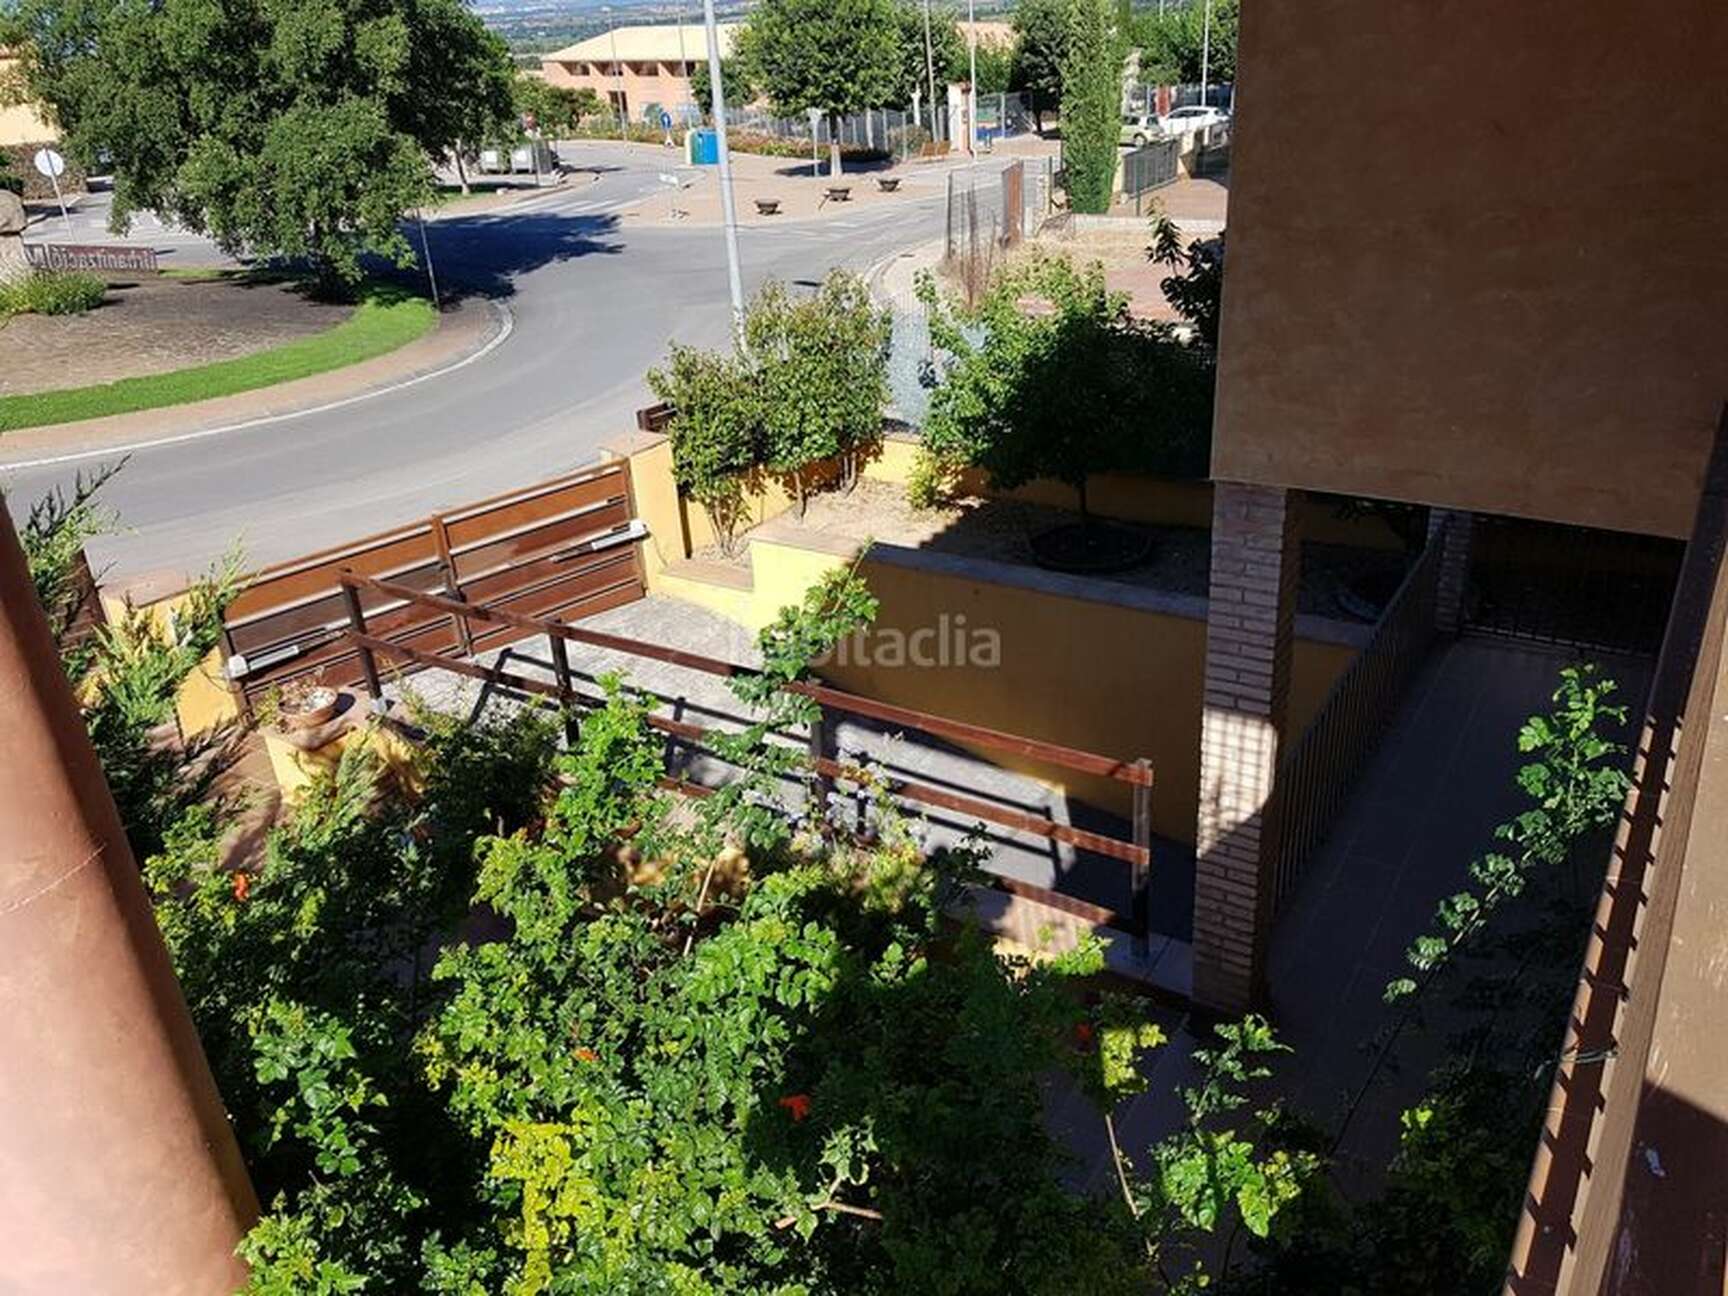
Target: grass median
{"points": [[385, 319]]}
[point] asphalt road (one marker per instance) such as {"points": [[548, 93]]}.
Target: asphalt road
{"points": [[595, 304]]}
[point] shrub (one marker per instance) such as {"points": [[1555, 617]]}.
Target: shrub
{"points": [[52, 292], [1064, 383]]}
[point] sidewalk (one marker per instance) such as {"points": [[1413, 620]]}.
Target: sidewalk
{"points": [[802, 196], [463, 332]]}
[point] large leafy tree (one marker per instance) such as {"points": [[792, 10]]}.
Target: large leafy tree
{"points": [[1174, 46], [1091, 103], [292, 128], [831, 56], [1041, 49]]}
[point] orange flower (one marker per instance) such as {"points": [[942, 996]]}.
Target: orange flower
{"points": [[1083, 1034], [798, 1104], [587, 1055], [242, 885]]}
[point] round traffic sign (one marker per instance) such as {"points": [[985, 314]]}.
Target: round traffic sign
{"points": [[49, 163]]}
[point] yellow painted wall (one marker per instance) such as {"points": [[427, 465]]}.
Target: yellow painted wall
{"points": [[20, 123], [1114, 680], [295, 767], [205, 701]]}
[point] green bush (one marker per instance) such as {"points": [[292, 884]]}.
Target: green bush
{"points": [[52, 292]]}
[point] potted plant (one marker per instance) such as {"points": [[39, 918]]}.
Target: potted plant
{"points": [[305, 703]]}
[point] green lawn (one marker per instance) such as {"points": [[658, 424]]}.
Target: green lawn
{"points": [[384, 320]]}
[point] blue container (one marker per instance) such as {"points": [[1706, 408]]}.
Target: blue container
{"points": [[704, 148]]}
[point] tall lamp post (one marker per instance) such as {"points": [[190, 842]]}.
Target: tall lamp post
{"points": [[728, 209], [930, 68], [1205, 53], [972, 79]]}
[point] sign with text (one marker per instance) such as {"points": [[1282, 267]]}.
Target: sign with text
{"points": [[92, 256]]}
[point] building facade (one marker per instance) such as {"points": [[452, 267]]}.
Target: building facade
{"points": [[634, 69]]}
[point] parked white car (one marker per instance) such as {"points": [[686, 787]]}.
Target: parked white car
{"points": [[1138, 128], [1180, 121]]}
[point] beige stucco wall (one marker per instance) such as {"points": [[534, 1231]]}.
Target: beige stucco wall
{"points": [[19, 123], [1477, 255], [643, 83]]}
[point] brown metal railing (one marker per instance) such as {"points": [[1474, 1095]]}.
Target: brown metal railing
{"points": [[1136, 852], [1316, 775]]}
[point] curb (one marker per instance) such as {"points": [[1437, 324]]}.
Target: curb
{"points": [[503, 324]]}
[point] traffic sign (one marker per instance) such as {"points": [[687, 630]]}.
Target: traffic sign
{"points": [[665, 120], [50, 163]]}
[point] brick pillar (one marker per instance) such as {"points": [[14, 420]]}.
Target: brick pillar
{"points": [[1451, 529], [1249, 626]]}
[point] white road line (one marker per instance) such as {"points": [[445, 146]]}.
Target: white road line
{"points": [[507, 325]]}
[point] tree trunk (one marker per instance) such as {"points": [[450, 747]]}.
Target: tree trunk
{"points": [[798, 490], [833, 145], [461, 171]]}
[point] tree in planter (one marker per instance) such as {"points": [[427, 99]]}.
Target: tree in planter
{"points": [[299, 131], [830, 56], [715, 431], [821, 369], [1091, 104], [1041, 34], [1063, 383]]}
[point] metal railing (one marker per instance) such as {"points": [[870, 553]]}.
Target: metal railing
{"points": [[1149, 167], [1136, 851], [1316, 775]]}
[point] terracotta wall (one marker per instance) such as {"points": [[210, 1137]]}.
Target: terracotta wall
{"points": [[1477, 255], [643, 82]]}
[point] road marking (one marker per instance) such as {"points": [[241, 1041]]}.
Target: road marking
{"points": [[507, 326]]}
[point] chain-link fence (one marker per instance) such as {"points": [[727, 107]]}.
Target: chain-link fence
{"points": [[892, 131], [988, 212]]}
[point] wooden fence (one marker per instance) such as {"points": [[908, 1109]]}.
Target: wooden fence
{"points": [[368, 644], [558, 549], [1317, 773]]}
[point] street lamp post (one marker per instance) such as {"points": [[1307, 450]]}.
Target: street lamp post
{"points": [[728, 209], [972, 79], [617, 79], [1205, 52], [930, 68]]}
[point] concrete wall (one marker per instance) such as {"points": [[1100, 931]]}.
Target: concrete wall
{"points": [[1476, 255]]}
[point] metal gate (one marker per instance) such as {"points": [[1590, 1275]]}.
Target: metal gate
{"points": [[1581, 587], [1149, 167]]}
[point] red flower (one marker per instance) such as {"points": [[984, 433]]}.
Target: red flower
{"points": [[242, 885], [1083, 1034], [587, 1055], [798, 1104]]}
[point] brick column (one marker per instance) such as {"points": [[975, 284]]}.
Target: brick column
{"points": [[1451, 528], [1249, 626]]}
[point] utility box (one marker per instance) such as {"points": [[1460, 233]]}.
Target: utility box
{"points": [[704, 147]]}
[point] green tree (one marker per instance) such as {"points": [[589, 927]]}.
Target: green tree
{"points": [[1064, 383], [947, 52], [556, 110], [1091, 104], [995, 68], [830, 56], [1041, 32], [293, 130], [821, 367], [1173, 43], [735, 74]]}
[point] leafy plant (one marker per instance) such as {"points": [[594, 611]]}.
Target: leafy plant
{"points": [[1195, 286], [1064, 382], [1041, 35], [714, 430], [1172, 42], [52, 292]]}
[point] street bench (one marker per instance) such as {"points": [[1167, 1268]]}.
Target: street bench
{"points": [[887, 184], [767, 206], [839, 193]]}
